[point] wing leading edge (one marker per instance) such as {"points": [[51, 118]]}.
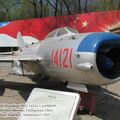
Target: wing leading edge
{"points": [[21, 58]]}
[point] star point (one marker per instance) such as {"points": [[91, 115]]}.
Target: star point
{"points": [[84, 24]]}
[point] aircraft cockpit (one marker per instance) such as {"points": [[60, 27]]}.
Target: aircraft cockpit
{"points": [[62, 32]]}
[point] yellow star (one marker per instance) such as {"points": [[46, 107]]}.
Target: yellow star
{"points": [[84, 24]]}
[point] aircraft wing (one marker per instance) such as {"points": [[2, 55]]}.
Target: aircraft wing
{"points": [[21, 58]]}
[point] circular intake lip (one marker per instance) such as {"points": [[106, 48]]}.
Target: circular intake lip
{"points": [[103, 80], [108, 61]]}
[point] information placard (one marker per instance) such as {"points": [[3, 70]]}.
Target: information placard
{"points": [[44, 104]]}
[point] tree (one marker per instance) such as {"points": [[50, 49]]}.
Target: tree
{"points": [[5, 9], [79, 4], [86, 6], [67, 7], [41, 10], [106, 5], [34, 3], [26, 9]]}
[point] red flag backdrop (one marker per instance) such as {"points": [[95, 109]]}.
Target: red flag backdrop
{"points": [[90, 22]]}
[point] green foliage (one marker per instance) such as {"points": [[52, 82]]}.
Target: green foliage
{"points": [[105, 5], [6, 8], [26, 9]]}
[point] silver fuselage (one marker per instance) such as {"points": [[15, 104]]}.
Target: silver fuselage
{"points": [[60, 59]]}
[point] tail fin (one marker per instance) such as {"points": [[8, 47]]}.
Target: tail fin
{"points": [[21, 43]]}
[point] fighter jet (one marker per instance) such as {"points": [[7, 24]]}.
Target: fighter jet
{"points": [[73, 57]]}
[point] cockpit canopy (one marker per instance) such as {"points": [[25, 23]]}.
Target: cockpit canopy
{"points": [[62, 32]]}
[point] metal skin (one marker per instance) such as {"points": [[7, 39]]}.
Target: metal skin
{"points": [[64, 58]]}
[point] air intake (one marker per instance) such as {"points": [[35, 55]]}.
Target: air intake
{"points": [[108, 59]]}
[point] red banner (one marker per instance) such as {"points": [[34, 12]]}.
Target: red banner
{"points": [[90, 22]]}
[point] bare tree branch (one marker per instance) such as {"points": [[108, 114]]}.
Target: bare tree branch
{"points": [[86, 5], [79, 4], [61, 6], [56, 7], [41, 8], [111, 4], [35, 8], [67, 7], [119, 5], [46, 9], [51, 4]]}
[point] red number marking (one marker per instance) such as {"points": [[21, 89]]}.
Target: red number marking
{"points": [[66, 50], [53, 57], [56, 57], [71, 57], [60, 57]]}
